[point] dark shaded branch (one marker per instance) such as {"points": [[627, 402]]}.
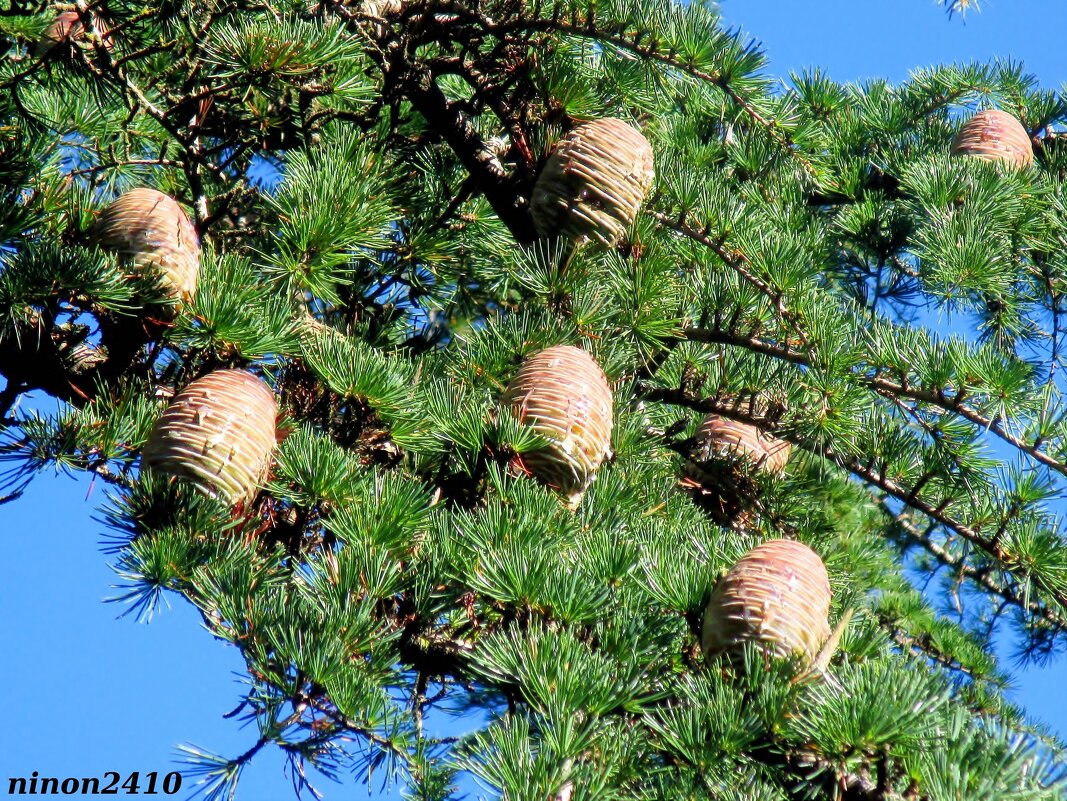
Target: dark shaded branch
{"points": [[449, 120]]}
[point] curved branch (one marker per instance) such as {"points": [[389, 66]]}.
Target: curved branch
{"points": [[916, 536]]}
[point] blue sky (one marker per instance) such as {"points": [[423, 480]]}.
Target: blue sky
{"points": [[86, 693]]}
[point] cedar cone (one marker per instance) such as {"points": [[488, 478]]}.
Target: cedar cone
{"points": [[718, 473], [564, 396], [218, 432], [994, 135], [593, 183], [150, 229], [65, 30], [742, 441], [778, 595], [382, 8]]}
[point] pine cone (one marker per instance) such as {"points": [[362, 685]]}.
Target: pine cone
{"points": [[778, 595], [994, 135], [742, 441], [719, 472], [65, 30], [148, 228], [564, 396], [593, 183], [382, 9], [219, 433], [83, 358]]}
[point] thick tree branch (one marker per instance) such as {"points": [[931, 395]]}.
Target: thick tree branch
{"points": [[446, 118]]}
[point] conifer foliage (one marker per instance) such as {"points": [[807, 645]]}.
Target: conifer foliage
{"points": [[293, 270]]}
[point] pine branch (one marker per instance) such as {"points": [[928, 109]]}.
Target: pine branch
{"points": [[738, 262], [416, 81], [921, 646], [117, 73], [411, 763], [861, 469], [952, 402], [980, 576]]}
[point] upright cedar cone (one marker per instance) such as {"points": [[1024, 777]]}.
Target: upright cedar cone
{"points": [[778, 595], [218, 432], [65, 30], [743, 441], [150, 229], [994, 135], [593, 183], [564, 396], [718, 472]]}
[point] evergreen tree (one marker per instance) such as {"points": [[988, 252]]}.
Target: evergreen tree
{"points": [[547, 366]]}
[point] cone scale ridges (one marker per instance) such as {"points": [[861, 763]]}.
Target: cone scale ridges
{"points": [[66, 29], [721, 472], [564, 396], [148, 228], [733, 439], [593, 183], [994, 135], [777, 595], [219, 433]]}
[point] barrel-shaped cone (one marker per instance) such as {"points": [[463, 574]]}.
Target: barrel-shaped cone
{"points": [[723, 437], [777, 595], [66, 29], [564, 396], [994, 135], [218, 433], [150, 229], [593, 184]]}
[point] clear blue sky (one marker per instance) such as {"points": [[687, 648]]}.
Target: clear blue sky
{"points": [[85, 693]]}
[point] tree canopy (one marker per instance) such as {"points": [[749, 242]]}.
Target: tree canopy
{"points": [[537, 394]]}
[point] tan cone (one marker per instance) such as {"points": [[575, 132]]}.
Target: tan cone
{"points": [[733, 439], [594, 183], [148, 228], [994, 135], [66, 29], [777, 595], [219, 433], [564, 396]]}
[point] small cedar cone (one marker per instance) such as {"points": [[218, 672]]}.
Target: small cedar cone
{"points": [[743, 441], [382, 8], [994, 135], [149, 229], [65, 30], [777, 595], [219, 433], [593, 183], [83, 358], [718, 472], [564, 396]]}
